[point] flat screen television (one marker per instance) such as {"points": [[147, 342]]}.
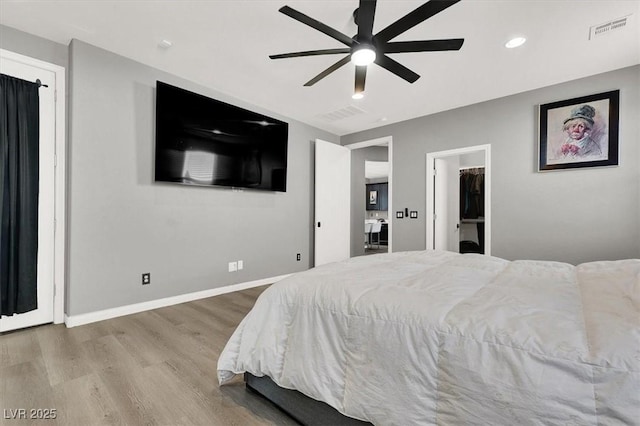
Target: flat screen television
{"points": [[206, 142]]}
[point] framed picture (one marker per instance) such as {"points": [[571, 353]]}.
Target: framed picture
{"points": [[579, 132], [373, 197]]}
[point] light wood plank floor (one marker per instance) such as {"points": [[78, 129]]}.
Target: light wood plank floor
{"points": [[153, 368]]}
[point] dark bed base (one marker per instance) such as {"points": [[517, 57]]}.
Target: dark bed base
{"points": [[303, 409]]}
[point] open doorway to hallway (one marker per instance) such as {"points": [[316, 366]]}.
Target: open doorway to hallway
{"points": [[371, 196], [376, 203]]}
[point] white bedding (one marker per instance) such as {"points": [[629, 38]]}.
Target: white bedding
{"points": [[441, 338]]}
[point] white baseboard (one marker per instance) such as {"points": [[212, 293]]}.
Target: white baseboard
{"points": [[82, 319]]}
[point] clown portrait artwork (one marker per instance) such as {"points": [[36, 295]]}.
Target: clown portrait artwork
{"points": [[581, 132], [580, 143]]}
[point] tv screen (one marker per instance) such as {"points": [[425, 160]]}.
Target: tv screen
{"points": [[202, 141]]}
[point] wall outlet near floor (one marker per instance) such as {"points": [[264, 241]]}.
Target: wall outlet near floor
{"points": [[240, 265], [146, 278], [233, 266], [298, 257]]}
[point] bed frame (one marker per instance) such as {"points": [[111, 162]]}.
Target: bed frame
{"points": [[303, 409]]}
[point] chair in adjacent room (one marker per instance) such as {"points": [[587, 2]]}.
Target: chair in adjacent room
{"points": [[375, 233], [367, 234]]}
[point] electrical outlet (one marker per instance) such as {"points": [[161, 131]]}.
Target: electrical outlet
{"points": [[298, 257], [146, 278], [233, 266], [240, 265]]}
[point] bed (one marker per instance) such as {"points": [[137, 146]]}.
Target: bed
{"points": [[434, 337]]}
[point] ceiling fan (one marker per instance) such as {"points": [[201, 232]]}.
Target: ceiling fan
{"points": [[365, 47]]}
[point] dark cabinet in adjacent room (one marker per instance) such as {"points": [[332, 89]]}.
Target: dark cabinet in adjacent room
{"points": [[377, 197], [384, 234]]}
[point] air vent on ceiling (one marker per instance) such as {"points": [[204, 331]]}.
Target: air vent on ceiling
{"points": [[608, 27], [342, 113]]}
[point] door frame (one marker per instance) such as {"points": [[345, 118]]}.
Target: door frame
{"points": [[385, 140], [59, 255], [487, 190]]}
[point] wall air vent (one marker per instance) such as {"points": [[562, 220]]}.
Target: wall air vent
{"points": [[608, 27], [341, 114]]}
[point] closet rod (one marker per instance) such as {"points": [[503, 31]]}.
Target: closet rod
{"points": [[472, 170]]}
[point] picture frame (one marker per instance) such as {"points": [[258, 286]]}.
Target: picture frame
{"points": [[579, 132], [373, 197]]}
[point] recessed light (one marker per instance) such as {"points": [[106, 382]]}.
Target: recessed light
{"points": [[358, 95], [165, 44], [515, 42]]}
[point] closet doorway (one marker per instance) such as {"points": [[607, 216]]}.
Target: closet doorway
{"points": [[459, 218]]}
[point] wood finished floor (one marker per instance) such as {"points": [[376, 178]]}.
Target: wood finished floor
{"points": [[153, 368]]}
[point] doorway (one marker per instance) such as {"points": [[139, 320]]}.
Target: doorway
{"points": [[382, 192], [443, 196], [376, 199], [338, 215], [51, 206]]}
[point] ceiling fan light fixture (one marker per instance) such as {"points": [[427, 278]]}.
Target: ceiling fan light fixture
{"points": [[363, 55], [362, 48]]}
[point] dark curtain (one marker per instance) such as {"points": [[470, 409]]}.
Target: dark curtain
{"points": [[19, 144]]}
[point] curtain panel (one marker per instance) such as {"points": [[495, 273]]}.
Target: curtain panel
{"points": [[19, 174]]}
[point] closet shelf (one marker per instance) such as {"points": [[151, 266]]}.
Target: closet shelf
{"points": [[478, 220]]}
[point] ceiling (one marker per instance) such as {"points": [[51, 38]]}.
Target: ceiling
{"points": [[225, 45]]}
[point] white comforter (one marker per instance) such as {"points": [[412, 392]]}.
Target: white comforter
{"points": [[441, 338]]}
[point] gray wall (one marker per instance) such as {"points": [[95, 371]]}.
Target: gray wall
{"points": [[33, 46], [571, 215], [358, 190], [122, 224]]}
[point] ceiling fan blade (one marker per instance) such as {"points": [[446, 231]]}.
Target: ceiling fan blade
{"points": [[361, 75], [398, 69], [310, 53], [422, 46], [323, 28], [328, 71], [412, 19], [366, 13]]}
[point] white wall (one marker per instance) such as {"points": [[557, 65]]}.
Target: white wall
{"points": [[572, 215]]}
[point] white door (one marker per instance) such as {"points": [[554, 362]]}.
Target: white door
{"points": [[446, 211], [332, 203], [44, 313]]}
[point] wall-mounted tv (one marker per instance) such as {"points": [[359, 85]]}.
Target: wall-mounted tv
{"points": [[206, 142]]}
